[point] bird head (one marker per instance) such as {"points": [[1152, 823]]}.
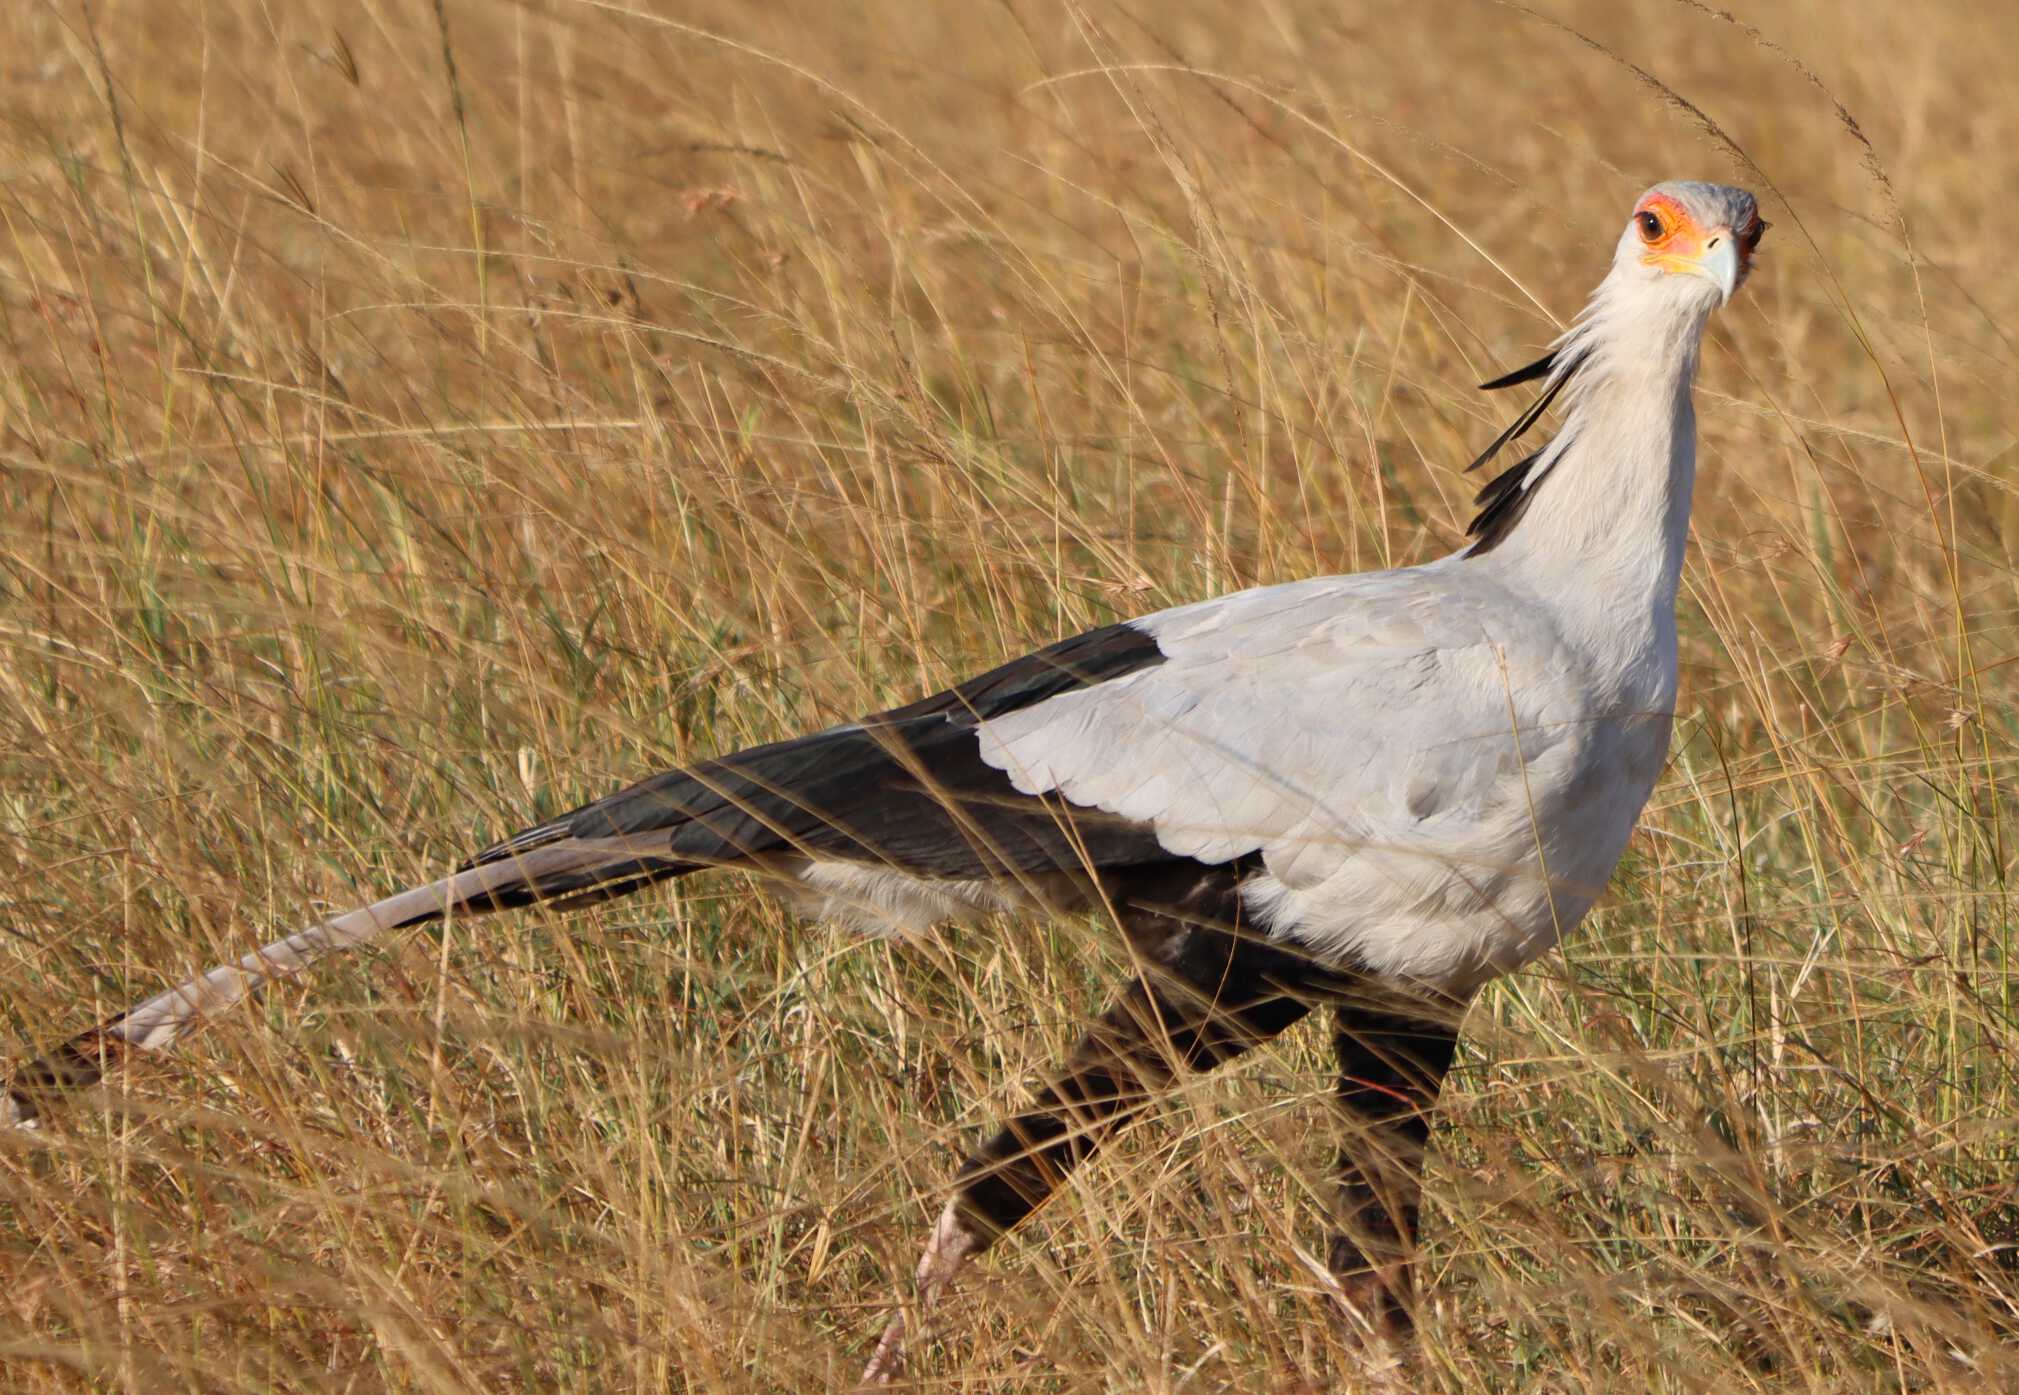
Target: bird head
{"points": [[1685, 249], [1690, 242]]}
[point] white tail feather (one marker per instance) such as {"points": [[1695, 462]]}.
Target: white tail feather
{"points": [[167, 1017]]}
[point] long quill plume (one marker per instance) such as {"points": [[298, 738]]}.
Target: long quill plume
{"points": [[1506, 496]]}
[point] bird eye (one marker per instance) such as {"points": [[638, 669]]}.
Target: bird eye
{"points": [[1651, 227], [1752, 236]]}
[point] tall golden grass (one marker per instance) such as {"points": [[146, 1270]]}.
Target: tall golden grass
{"points": [[415, 420]]}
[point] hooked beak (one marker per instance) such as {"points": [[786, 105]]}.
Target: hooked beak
{"points": [[1719, 263]]}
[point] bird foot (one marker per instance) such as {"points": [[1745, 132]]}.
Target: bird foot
{"points": [[1373, 1314], [952, 1243], [1373, 1306], [886, 1363]]}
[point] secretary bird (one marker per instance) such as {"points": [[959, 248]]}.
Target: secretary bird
{"points": [[1370, 793]]}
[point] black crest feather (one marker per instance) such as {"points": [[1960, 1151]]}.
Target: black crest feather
{"points": [[1507, 495], [1501, 504], [1533, 413], [1527, 374]]}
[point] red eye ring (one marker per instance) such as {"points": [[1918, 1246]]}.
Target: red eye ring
{"points": [[1652, 229]]}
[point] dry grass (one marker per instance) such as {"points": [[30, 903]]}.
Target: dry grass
{"points": [[411, 424]]}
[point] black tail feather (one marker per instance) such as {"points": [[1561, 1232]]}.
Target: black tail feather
{"points": [[906, 789]]}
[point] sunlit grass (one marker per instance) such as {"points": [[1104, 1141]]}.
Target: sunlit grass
{"points": [[388, 460]]}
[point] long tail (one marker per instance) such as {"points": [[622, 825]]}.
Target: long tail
{"points": [[906, 788], [589, 868]]}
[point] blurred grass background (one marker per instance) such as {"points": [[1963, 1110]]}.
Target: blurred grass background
{"points": [[416, 419]]}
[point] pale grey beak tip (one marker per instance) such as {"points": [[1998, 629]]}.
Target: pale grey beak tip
{"points": [[1720, 264]]}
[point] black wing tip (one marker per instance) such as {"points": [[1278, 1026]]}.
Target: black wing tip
{"points": [[1083, 661], [538, 836], [868, 791]]}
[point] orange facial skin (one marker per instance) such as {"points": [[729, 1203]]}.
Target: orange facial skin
{"points": [[1680, 242]]}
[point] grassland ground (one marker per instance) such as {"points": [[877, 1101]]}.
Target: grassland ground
{"points": [[418, 418]]}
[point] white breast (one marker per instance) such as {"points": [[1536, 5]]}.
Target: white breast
{"points": [[1456, 906]]}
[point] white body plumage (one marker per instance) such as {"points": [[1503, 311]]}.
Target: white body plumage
{"points": [[1423, 777], [1437, 767], [1440, 766]]}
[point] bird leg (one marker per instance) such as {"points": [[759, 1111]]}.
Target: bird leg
{"points": [[953, 1240], [1392, 1062], [1197, 1022]]}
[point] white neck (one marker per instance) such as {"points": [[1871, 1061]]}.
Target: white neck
{"points": [[1602, 538]]}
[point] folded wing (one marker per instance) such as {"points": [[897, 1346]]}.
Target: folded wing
{"points": [[1315, 724]]}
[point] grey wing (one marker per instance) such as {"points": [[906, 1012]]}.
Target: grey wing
{"points": [[1369, 722]]}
